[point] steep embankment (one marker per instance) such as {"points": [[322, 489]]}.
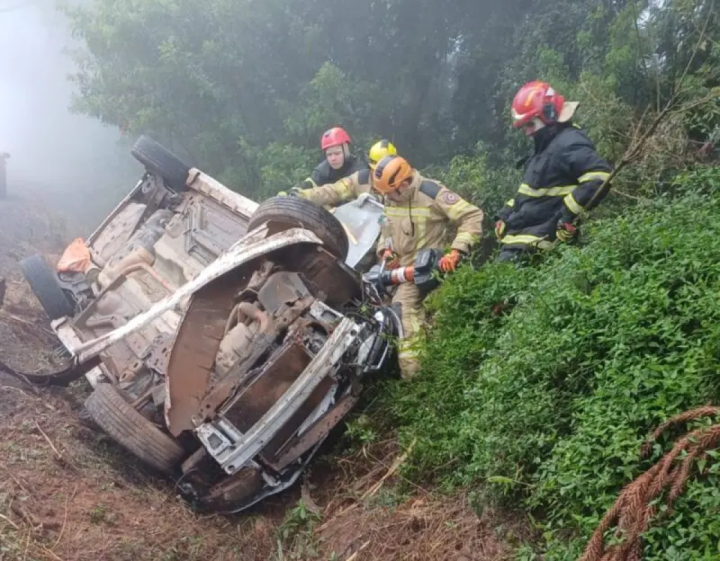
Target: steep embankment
{"points": [[558, 372], [68, 493], [65, 492]]}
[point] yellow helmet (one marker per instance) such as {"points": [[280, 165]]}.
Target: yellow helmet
{"points": [[379, 150]]}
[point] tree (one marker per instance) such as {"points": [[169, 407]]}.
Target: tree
{"points": [[231, 83]]}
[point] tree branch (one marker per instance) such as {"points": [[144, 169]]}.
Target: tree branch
{"points": [[636, 145]]}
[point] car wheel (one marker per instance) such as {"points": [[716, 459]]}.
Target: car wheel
{"points": [[46, 287], [283, 213], [159, 160], [115, 416]]}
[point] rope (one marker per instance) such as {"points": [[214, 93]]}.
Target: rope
{"points": [[632, 512]]}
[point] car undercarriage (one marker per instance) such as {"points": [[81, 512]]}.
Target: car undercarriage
{"points": [[224, 339]]}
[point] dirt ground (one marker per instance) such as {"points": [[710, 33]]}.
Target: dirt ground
{"points": [[68, 493]]}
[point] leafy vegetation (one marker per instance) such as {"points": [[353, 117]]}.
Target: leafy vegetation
{"points": [[245, 88], [296, 532], [539, 383], [548, 401]]}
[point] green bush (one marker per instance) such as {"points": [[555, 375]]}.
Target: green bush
{"points": [[546, 404], [472, 177]]}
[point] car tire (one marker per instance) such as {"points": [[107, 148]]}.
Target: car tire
{"points": [[46, 287], [116, 417], [282, 213], [159, 160]]}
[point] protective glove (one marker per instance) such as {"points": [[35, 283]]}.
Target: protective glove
{"points": [[391, 259], [499, 229], [450, 261], [565, 231], [292, 192]]}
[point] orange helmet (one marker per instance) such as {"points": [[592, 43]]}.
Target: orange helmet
{"points": [[390, 172]]}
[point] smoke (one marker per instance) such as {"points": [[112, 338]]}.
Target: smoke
{"points": [[78, 165]]}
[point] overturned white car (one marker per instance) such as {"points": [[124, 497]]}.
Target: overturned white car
{"points": [[223, 339]]}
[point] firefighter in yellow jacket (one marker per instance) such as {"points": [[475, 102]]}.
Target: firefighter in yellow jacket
{"points": [[418, 212], [350, 187]]}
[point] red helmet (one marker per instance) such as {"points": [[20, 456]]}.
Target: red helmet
{"points": [[536, 99], [334, 137]]}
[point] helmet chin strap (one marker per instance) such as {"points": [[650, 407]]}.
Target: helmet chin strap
{"points": [[346, 151], [537, 125], [404, 195]]}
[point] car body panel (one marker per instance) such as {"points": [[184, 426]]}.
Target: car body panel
{"points": [[249, 247]]}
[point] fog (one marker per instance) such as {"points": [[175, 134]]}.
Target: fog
{"points": [[77, 164]]}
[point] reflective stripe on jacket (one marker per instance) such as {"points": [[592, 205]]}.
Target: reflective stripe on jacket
{"points": [[559, 182], [424, 220], [344, 190]]}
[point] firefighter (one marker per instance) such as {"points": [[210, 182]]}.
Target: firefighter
{"points": [[348, 187], [563, 177], [338, 163], [418, 212]]}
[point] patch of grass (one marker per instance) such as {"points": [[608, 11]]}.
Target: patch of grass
{"points": [[360, 432], [295, 537], [12, 543], [388, 498], [189, 547], [99, 514]]}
